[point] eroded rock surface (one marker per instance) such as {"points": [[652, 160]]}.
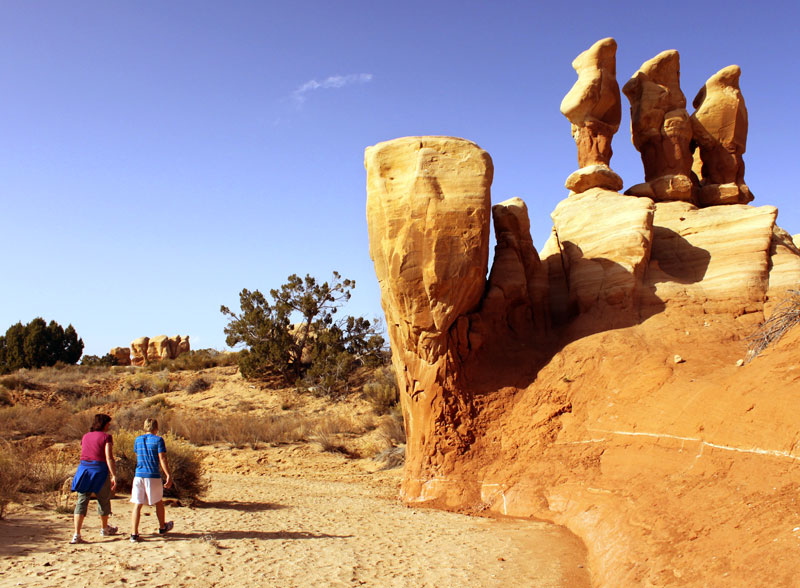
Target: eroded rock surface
{"points": [[599, 383], [122, 355], [428, 208], [593, 108], [145, 350], [661, 130], [719, 126]]}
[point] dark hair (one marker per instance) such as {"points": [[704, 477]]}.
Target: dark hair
{"points": [[100, 422]]}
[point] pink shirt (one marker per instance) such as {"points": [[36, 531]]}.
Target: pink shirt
{"points": [[93, 446]]}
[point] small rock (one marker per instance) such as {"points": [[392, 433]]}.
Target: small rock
{"points": [[739, 362], [678, 359]]}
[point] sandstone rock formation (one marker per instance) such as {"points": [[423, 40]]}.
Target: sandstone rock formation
{"points": [[661, 130], [600, 384], [146, 350], [719, 126], [593, 108], [122, 355], [139, 351], [428, 217]]}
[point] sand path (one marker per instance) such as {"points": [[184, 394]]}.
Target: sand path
{"points": [[292, 517]]}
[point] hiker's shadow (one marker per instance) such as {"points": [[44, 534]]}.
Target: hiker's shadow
{"points": [[263, 535], [242, 506]]}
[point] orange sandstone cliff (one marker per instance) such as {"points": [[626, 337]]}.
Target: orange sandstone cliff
{"points": [[597, 383]]}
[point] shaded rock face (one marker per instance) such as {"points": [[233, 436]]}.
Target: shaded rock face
{"points": [[661, 130], [145, 350]]}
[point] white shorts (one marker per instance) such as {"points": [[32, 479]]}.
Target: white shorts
{"points": [[147, 491]]}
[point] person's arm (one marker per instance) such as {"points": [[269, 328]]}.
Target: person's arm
{"points": [[112, 466], [162, 459]]}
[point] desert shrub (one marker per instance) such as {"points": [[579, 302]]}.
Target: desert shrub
{"points": [[785, 316], [200, 359], [21, 421], [382, 391], [10, 476], [391, 426], [132, 417], [18, 381], [46, 469], [5, 397], [198, 384], [107, 360], [240, 430], [185, 463], [391, 457], [147, 384], [75, 426]]}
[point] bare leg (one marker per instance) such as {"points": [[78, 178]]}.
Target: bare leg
{"points": [[104, 520], [135, 514], [162, 519], [78, 521]]}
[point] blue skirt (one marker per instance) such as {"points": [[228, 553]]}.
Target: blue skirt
{"points": [[90, 477]]}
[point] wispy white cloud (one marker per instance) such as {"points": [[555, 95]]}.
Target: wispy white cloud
{"points": [[300, 95]]}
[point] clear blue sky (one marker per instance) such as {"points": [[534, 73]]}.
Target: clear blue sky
{"points": [[157, 157]]}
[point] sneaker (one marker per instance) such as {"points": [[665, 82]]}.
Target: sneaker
{"points": [[167, 528], [108, 531], [77, 539], [134, 538]]}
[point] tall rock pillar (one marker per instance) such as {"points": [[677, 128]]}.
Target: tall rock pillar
{"points": [[428, 214]]}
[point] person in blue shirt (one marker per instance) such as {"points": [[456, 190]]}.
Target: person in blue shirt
{"points": [[151, 453]]}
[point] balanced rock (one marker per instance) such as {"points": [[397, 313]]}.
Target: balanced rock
{"points": [[719, 125], [661, 130], [593, 108], [122, 355], [428, 207]]}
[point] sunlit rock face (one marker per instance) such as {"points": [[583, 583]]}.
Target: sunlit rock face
{"points": [[661, 130], [719, 127], [428, 212], [600, 382], [593, 108]]}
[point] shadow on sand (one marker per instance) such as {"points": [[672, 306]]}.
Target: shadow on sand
{"points": [[241, 506], [262, 535]]}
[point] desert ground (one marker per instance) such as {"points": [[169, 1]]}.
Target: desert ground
{"points": [[289, 515]]}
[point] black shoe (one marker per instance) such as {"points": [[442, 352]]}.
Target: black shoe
{"points": [[167, 528], [134, 538]]}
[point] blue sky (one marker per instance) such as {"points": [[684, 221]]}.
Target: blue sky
{"points": [[158, 157]]}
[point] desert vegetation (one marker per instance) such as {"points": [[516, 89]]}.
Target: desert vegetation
{"points": [[784, 317], [45, 412], [297, 337], [38, 344]]}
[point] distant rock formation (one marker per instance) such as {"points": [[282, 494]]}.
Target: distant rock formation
{"points": [[593, 108], [122, 355], [598, 383], [661, 130], [719, 127], [145, 350]]}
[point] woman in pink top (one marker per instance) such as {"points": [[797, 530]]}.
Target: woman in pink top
{"points": [[97, 474]]}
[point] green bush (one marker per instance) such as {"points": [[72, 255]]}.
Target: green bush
{"points": [[185, 463]]}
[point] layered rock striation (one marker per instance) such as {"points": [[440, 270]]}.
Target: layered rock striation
{"points": [[550, 388]]}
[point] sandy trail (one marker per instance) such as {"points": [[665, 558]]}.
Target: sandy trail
{"points": [[292, 517]]}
